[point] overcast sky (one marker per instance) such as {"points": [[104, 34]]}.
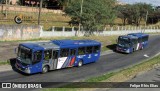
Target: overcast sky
{"points": [[153, 2]]}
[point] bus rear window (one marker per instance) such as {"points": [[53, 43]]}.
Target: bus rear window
{"points": [[145, 38], [96, 49]]}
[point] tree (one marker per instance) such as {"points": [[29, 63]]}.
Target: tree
{"points": [[63, 3], [139, 11], [133, 13], [122, 12], [96, 13]]}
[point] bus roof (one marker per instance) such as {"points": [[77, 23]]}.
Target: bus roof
{"points": [[57, 44], [129, 37], [138, 34], [40, 45], [67, 43]]}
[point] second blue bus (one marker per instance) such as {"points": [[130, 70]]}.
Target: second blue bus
{"points": [[132, 42]]}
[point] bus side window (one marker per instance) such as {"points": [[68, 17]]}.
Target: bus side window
{"points": [[37, 56], [72, 52], [89, 50], [81, 51], [47, 54], [96, 49], [64, 52], [55, 54]]}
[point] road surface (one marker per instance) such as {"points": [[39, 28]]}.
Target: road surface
{"points": [[106, 63]]}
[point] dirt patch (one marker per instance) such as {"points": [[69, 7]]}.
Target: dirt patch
{"points": [[7, 50]]}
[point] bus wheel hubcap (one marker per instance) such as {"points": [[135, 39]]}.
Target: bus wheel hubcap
{"points": [[45, 69]]}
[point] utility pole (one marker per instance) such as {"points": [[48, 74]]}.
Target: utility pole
{"points": [[6, 10], [80, 16], [39, 15], [146, 20]]}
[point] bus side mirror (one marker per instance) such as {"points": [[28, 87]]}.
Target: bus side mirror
{"points": [[16, 50]]}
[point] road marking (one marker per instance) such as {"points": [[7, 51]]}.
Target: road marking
{"points": [[145, 55]]}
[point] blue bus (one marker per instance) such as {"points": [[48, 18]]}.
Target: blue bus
{"points": [[56, 54], [132, 42]]}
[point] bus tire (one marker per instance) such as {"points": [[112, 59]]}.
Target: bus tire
{"points": [[133, 50], [80, 63], [45, 69]]}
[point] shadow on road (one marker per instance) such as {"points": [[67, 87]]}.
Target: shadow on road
{"points": [[12, 63], [112, 47]]}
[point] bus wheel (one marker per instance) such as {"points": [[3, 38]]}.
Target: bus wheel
{"points": [[80, 63], [45, 69], [133, 50]]}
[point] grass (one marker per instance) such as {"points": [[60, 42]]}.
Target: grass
{"points": [[4, 62], [47, 19], [105, 40], [118, 76]]}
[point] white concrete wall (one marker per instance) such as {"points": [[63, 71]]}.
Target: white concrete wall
{"points": [[54, 33], [22, 32]]}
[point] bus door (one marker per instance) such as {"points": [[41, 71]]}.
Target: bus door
{"points": [[63, 59], [47, 60], [55, 58], [134, 43], [37, 62]]}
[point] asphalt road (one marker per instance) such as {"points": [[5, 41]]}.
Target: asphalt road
{"points": [[106, 63]]}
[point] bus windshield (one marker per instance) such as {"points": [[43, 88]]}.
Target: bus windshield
{"points": [[25, 55], [124, 42]]}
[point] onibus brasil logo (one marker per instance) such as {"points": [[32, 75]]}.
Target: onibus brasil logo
{"points": [[21, 85], [19, 18]]}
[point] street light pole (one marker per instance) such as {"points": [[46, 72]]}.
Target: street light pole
{"points": [[80, 16], [39, 15]]}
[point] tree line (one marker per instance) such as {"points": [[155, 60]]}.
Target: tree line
{"points": [[133, 14], [95, 14]]}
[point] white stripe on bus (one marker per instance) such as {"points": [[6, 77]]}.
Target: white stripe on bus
{"points": [[61, 61]]}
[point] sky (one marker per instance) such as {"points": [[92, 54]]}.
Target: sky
{"points": [[153, 2]]}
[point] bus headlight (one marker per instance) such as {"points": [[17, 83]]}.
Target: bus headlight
{"points": [[127, 50], [27, 70]]}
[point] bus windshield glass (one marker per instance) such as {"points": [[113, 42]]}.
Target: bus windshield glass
{"points": [[25, 55], [124, 42]]}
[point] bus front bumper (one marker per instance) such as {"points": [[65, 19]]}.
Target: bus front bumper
{"points": [[24, 70], [123, 50]]}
